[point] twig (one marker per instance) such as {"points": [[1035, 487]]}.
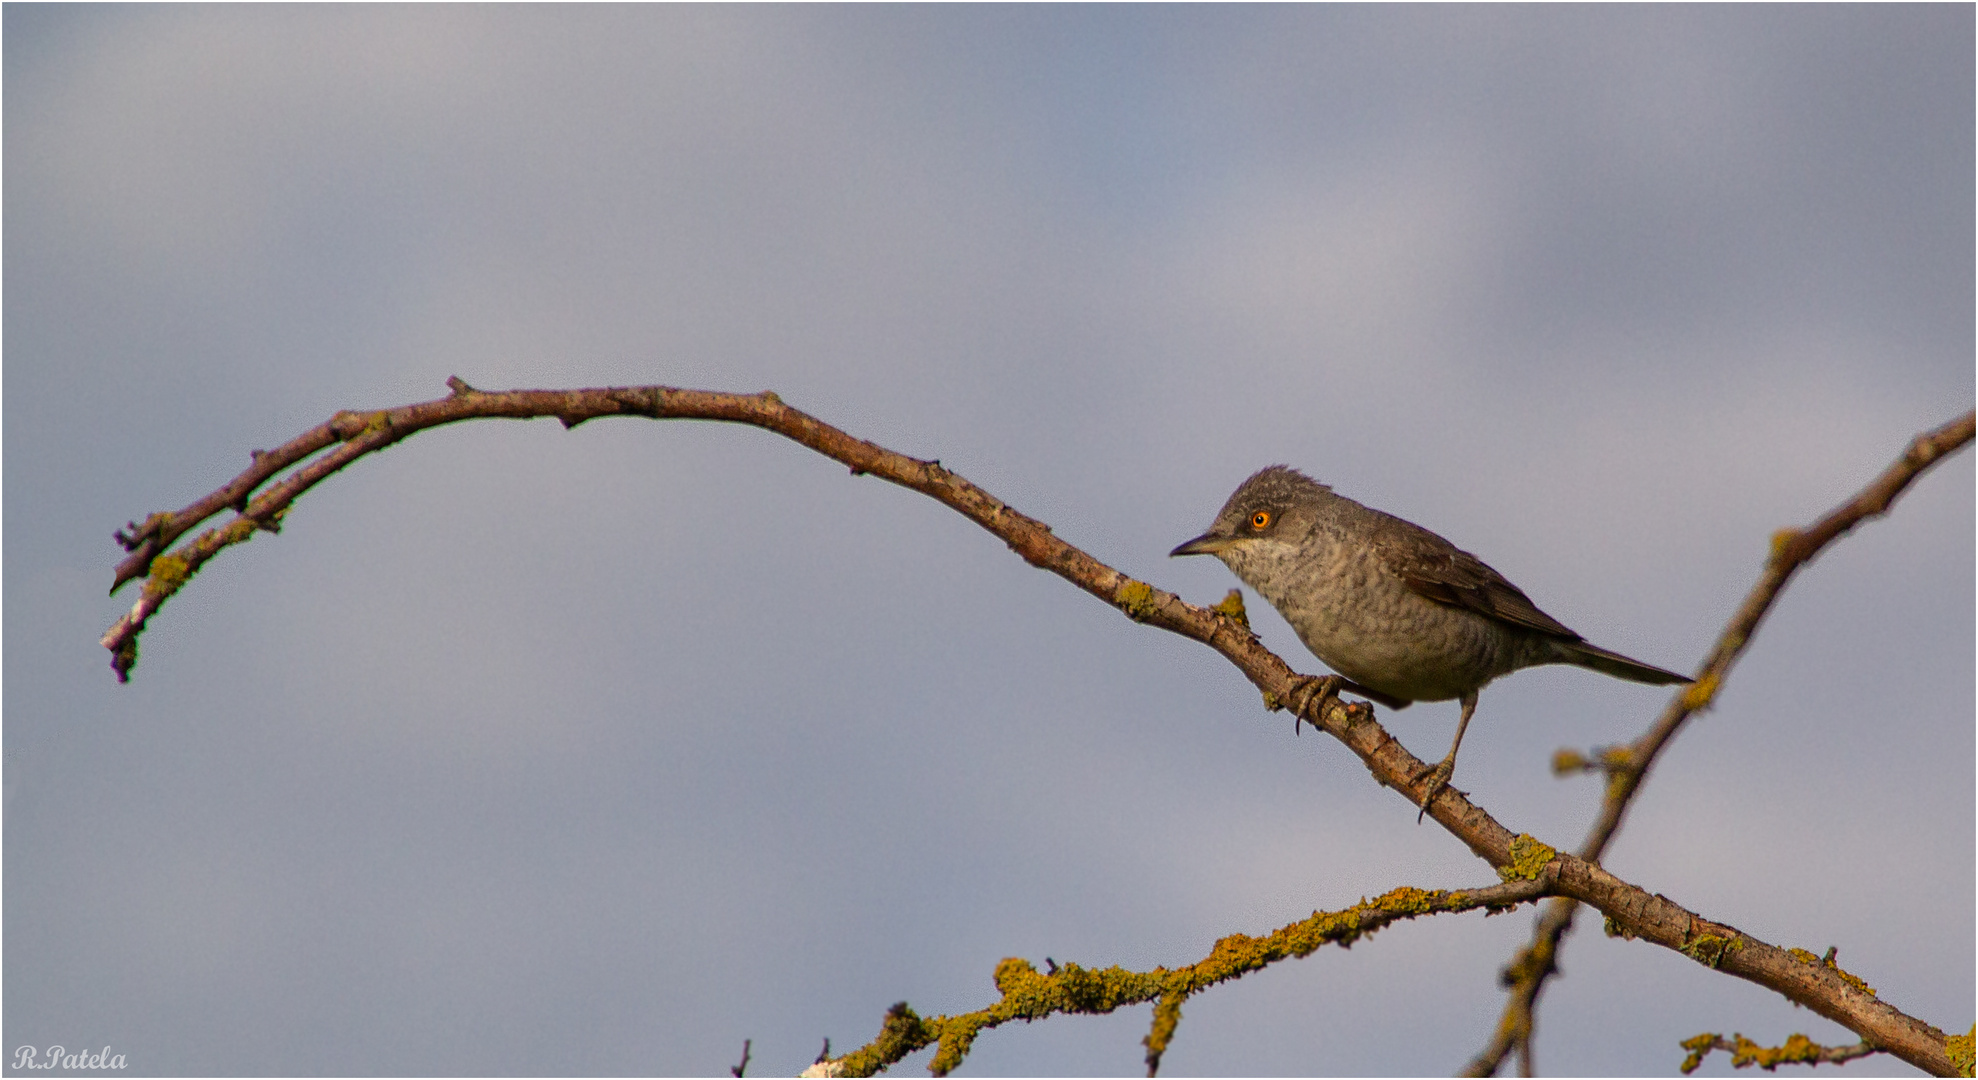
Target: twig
{"points": [[739, 1069], [1798, 1050], [1627, 766]]}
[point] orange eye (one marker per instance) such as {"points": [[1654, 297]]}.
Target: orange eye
{"points": [[1260, 520]]}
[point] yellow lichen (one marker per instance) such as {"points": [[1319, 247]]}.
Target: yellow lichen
{"points": [[1828, 962], [1959, 1048], [1797, 1048], [1567, 760], [1852, 980], [1699, 1047], [1232, 608], [168, 572], [1409, 901], [1710, 950], [1028, 994], [1528, 859], [1167, 1016], [372, 422], [1700, 692], [1136, 598]]}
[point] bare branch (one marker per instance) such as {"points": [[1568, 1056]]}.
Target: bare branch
{"points": [[1791, 549], [1627, 766]]}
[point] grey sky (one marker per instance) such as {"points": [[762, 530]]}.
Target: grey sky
{"points": [[532, 751]]}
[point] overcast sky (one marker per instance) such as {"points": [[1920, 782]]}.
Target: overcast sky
{"points": [[530, 751]]}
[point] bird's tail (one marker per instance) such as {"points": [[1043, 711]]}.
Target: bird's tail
{"points": [[1612, 663]]}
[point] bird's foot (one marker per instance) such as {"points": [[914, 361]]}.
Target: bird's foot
{"points": [[1308, 696], [1438, 779]]}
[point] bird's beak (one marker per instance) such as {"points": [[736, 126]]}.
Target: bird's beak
{"points": [[1206, 544]]}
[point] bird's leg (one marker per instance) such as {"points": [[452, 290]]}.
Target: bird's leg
{"points": [[1439, 779], [1310, 692]]}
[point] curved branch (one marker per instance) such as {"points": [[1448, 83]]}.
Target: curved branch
{"points": [[1627, 766], [1631, 910]]}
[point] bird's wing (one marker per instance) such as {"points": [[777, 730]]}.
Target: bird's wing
{"points": [[1441, 571]]}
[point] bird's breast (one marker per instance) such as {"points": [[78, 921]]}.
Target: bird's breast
{"points": [[1365, 623]]}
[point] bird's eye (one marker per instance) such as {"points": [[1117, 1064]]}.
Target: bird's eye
{"points": [[1260, 520]]}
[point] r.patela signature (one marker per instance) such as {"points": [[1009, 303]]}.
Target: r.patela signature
{"points": [[61, 1057]]}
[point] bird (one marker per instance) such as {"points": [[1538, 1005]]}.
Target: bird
{"points": [[1392, 607]]}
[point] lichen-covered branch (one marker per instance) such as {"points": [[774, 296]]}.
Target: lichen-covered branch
{"points": [[1631, 911], [1797, 1050], [1028, 994], [1627, 766]]}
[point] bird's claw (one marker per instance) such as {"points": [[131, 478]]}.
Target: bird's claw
{"points": [[1309, 693], [1438, 780]]}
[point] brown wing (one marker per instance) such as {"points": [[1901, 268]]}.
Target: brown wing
{"points": [[1439, 570]]}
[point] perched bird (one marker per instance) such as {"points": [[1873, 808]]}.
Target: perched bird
{"points": [[1388, 604]]}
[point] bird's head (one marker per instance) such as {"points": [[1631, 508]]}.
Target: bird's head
{"points": [[1276, 505]]}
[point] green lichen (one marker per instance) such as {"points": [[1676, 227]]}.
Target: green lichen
{"points": [[1136, 598], [1528, 859], [1710, 950], [1232, 608], [1613, 929], [1959, 1049]]}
